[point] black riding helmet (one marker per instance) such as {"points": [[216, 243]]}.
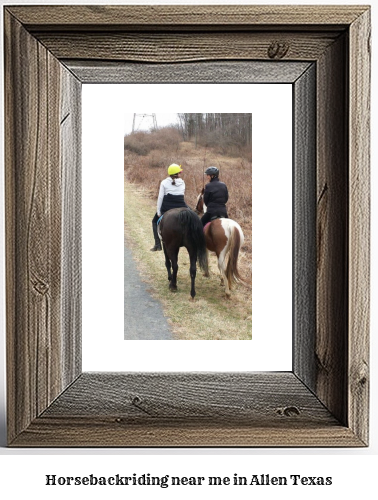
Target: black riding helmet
{"points": [[212, 171]]}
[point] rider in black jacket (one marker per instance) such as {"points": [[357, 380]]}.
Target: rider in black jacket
{"points": [[215, 196]]}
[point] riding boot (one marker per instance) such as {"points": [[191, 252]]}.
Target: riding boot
{"points": [[157, 245]]}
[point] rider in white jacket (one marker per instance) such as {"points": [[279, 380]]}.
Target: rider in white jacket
{"points": [[171, 195], [167, 187]]}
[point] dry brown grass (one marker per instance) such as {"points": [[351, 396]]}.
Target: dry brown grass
{"points": [[142, 143], [211, 316], [149, 170]]}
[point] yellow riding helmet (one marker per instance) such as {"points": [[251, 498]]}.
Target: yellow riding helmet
{"points": [[174, 169]]}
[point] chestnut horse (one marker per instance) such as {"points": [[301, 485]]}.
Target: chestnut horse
{"points": [[181, 227], [224, 237]]}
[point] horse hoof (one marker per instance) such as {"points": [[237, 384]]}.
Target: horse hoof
{"points": [[172, 288]]}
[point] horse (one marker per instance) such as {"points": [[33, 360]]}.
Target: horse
{"points": [[224, 237], [181, 227]]}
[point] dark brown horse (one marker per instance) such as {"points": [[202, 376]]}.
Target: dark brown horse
{"points": [[224, 237], [181, 227]]}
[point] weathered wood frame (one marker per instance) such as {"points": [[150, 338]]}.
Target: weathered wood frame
{"points": [[324, 400]]}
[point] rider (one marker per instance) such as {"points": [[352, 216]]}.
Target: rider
{"points": [[215, 196], [171, 195]]}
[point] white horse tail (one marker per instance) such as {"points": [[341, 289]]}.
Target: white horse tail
{"points": [[235, 241]]}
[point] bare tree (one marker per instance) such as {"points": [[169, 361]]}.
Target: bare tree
{"points": [[233, 130]]}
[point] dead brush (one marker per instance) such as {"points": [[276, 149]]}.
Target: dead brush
{"points": [[150, 169], [142, 143]]}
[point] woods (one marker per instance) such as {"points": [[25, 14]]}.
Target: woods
{"points": [[231, 133]]}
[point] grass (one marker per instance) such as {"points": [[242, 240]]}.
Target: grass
{"points": [[236, 172], [210, 316]]}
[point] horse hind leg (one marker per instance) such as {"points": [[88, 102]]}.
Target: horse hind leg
{"points": [[224, 280], [174, 261], [193, 272], [167, 264], [222, 270], [207, 273]]}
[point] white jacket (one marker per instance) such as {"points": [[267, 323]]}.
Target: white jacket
{"points": [[166, 187]]}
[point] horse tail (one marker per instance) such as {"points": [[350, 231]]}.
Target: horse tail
{"points": [[194, 233], [232, 271]]}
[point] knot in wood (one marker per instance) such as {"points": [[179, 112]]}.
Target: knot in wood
{"points": [[136, 400], [362, 375], [288, 411], [277, 50], [41, 287], [140, 404], [363, 381]]}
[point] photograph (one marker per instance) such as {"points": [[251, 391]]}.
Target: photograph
{"points": [[188, 212]]}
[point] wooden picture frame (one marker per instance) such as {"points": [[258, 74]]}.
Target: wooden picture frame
{"points": [[49, 52]]}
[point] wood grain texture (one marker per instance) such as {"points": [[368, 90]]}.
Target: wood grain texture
{"points": [[199, 72], [100, 432], [184, 16], [180, 47], [228, 409], [323, 402], [220, 396], [359, 226], [33, 228], [304, 227], [32, 315], [70, 161], [332, 230]]}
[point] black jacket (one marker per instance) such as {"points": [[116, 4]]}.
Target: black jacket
{"points": [[215, 195]]}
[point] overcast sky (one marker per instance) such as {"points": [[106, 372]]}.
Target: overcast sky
{"points": [[145, 122]]}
